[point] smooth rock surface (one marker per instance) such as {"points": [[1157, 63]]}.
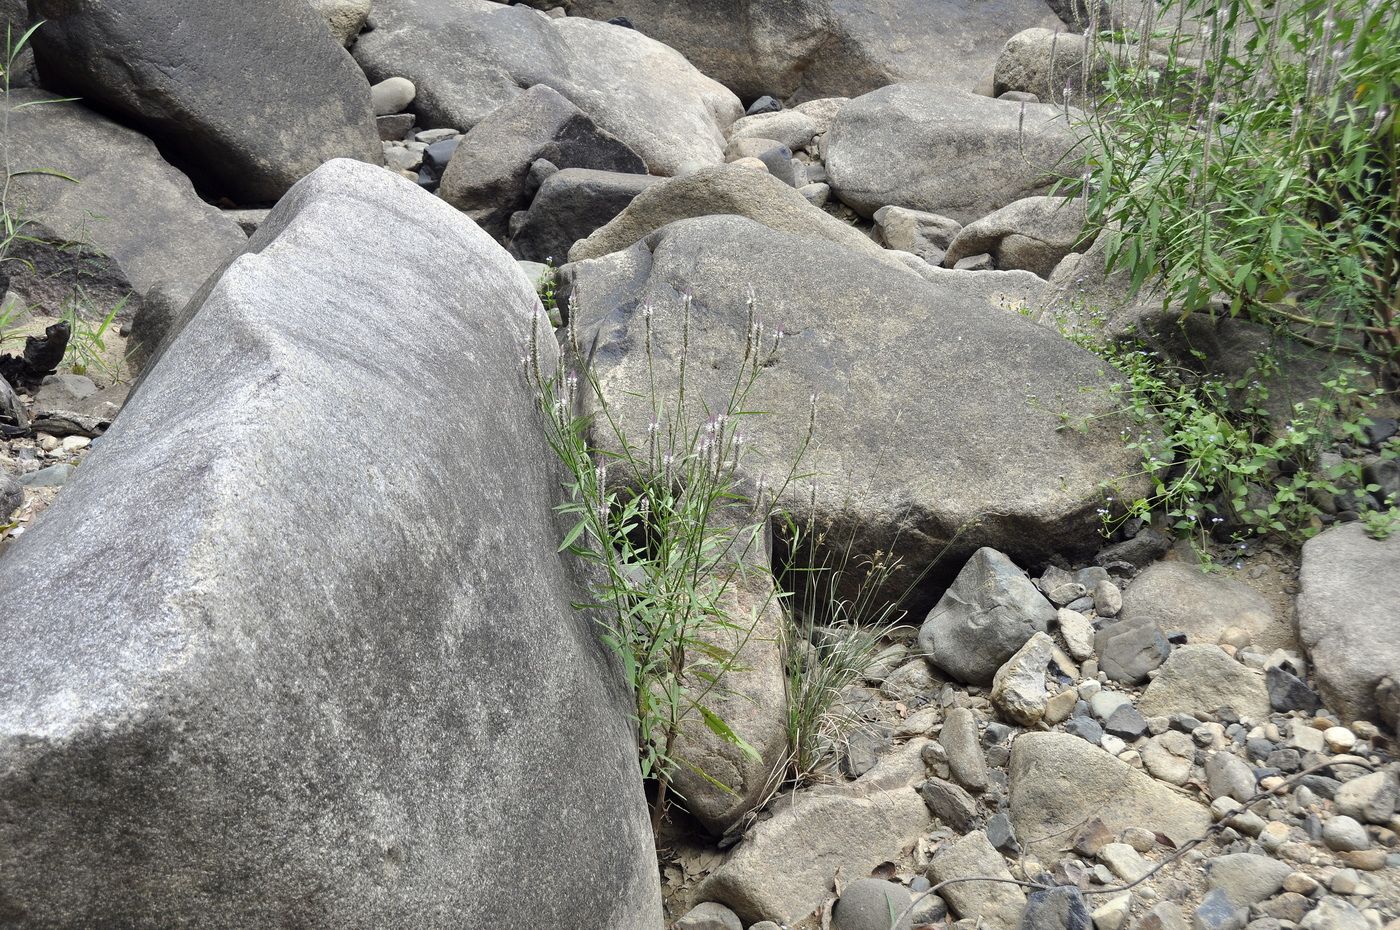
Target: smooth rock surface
{"points": [[1018, 483], [1347, 619], [246, 97], [953, 153], [262, 696], [468, 57], [995, 905], [1180, 598], [570, 206], [1031, 234], [1058, 783], [1205, 679]]}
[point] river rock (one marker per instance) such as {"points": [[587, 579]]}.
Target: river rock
{"points": [[246, 97], [1018, 689], [954, 153], [1204, 679], [569, 206], [1057, 783], [996, 905], [1031, 234], [1347, 621], [250, 731], [802, 49], [468, 57], [878, 482], [1181, 598]]}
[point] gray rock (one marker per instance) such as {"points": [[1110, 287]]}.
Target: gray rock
{"points": [[1030, 234], [488, 174], [53, 476], [801, 49], [1056, 909], [1018, 690], [392, 95], [344, 17], [1086, 728], [996, 905], [1344, 834], [157, 240], [1228, 776], [982, 261], [709, 916], [1183, 599], [1247, 878], [469, 57], [722, 190], [874, 483], [1140, 551], [950, 804], [1289, 692], [872, 904], [817, 194], [264, 702], [1129, 650], [943, 151], [1002, 835], [1334, 913], [394, 128], [1347, 621], [1057, 784], [11, 495], [1203, 679], [1217, 912], [782, 871], [764, 104], [926, 235], [1170, 757], [1164, 915], [791, 128], [1126, 723], [1372, 798], [1045, 63], [247, 97], [964, 750], [989, 613], [569, 206], [1078, 633]]}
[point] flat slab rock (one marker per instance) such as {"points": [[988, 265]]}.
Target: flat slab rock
{"points": [[253, 676], [934, 413]]}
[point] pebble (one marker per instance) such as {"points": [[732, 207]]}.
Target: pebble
{"points": [[429, 136], [1300, 883], [1218, 912], [1126, 722], [1113, 913], [764, 104], [1343, 833], [392, 95], [1345, 881], [1105, 703], [74, 443], [1333, 913], [1339, 739], [1077, 632], [1108, 600], [1085, 728], [1125, 861]]}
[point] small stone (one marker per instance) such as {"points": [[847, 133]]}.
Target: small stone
{"points": [[1288, 692], [764, 104], [1104, 703], [1287, 906], [1003, 835], [1126, 723], [935, 759], [1124, 861], [1345, 881], [1371, 798], [1018, 689], [1093, 837], [1170, 757], [1339, 739], [1274, 836], [1077, 632], [950, 804], [74, 443], [1334, 913], [1085, 728], [51, 477], [867, 905], [710, 916], [393, 128], [392, 95], [1165, 915], [1300, 883], [980, 262], [1218, 912], [1142, 840], [1128, 650], [1228, 776], [1344, 833], [1247, 878], [965, 759], [1060, 908], [1060, 706], [1367, 860], [1062, 594], [429, 136], [1112, 744], [1306, 739], [1113, 913], [1108, 600], [817, 193]]}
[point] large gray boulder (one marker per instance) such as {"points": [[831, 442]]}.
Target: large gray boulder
{"points": [[246, 97], [1203, 679], [990, 612], [803, 49], [467, 57], [937, 418], [487, 175], [1348, 621], [1058, 783], [143, 233], [570, 206], [293, 647], [718, 190], [954, 153]]}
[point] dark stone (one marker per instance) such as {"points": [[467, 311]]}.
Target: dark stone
{"points": [[569, 206], [1321, 785], [1126, 723], [622, 21], [950, 804], [1141, 551], [1177, 639], [1288, 692], [1217, 912], [394, 128], [1129, 649], [11, 496], [1285, 760], [1380, 429], [764, 104], [1085, 728], [41, 357], [1003, 835], [440, 152], [1258, 748], [1060, 908], [245, 97]]}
